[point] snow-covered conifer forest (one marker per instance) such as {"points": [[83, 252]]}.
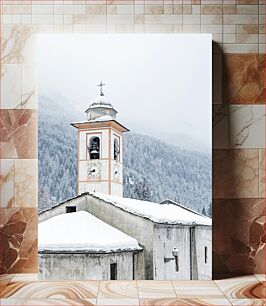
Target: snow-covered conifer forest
{"points": [[153, 170]]}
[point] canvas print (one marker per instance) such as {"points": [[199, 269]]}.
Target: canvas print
{"points": [[125, 156]]}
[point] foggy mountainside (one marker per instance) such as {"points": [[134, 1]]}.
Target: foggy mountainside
{"points": [[153, 170]]}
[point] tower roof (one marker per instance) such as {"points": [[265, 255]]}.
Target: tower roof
{"points": [[100, 106], [100, 101]]}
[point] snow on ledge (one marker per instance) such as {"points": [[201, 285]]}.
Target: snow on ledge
{"points": [[102, 118], [159, 213], [81, 231]]}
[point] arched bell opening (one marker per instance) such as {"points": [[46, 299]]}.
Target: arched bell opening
{"points": [[94, 148]]}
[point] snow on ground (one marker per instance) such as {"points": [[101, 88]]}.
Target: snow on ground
{"points": [[161, 213], [84, 232]]}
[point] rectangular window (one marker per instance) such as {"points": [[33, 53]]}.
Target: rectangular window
{"points": [[113, 271], [206, 255], [70, 209]]}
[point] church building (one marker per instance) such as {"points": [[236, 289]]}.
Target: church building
{"points": [[170, 240]]}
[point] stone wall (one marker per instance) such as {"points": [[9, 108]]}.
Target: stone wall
{"points": [[87, 266]]}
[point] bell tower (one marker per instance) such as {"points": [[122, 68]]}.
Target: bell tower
{"points": [[100, 149]]}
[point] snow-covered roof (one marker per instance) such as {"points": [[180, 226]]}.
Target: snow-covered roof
{"points": [[159, 213], [100, 101], [102, 118], [81, 231], [169, 201]]}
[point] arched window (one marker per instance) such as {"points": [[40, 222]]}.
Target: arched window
{"points": [[94, 148], [116, 149]]}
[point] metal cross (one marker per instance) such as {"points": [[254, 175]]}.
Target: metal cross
{"points": [[101, 88]]}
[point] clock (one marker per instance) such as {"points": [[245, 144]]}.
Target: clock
{"points": [[94, 170], [116, 172]]}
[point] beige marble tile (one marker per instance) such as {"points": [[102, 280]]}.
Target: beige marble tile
{"points": [[220, 127], [191, 19], [117, 302], [19, 247], [247, 126], [248, 9], [248, 302], [191, 28], [163, 19], [153, 9], [7, 182], [96, 9], [159, 28], [18, 129], [29, 92], [11, 86], [242, 290], [183, 302], [25, 277], [240, 48], [217, 79], [240, 19], [118, 290], [48, 302], [4, 280], [197, 289], [211, 9], [229, 38], [262, 171], [211, 19], [247, 38], [51, 290], [209, 28], [260, 277], [248, 29], [26, 180], [120, 19], [156, 289], [18, 44], [235, 173], [229, 28]]}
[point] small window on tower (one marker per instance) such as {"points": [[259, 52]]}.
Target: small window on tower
{"points": [[116, 149], [94, 148]]}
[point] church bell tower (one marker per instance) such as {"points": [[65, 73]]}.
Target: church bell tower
{"points": [[100, 149]]}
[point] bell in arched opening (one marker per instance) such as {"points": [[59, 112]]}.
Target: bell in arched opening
{"points": [[94, 148]]}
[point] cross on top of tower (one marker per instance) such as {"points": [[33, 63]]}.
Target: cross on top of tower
{"points": [[101, 88]]}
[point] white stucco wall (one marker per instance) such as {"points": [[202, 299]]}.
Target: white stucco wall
{"points": [[87, 266], [166, 238]]}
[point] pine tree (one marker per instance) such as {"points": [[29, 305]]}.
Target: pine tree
{"points": [[142, 191]]}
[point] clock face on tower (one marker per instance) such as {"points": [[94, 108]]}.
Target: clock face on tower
{"points": [[94, 170]]}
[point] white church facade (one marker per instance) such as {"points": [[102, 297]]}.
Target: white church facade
{"points": [[170, 240]]}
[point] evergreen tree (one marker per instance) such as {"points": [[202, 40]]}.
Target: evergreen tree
{"points": [[142, 191]]}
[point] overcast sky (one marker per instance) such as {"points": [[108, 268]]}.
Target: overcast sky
{"points": [[159, 83]]}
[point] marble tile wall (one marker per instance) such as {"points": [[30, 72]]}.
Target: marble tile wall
{"points": [[238, 28]]}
